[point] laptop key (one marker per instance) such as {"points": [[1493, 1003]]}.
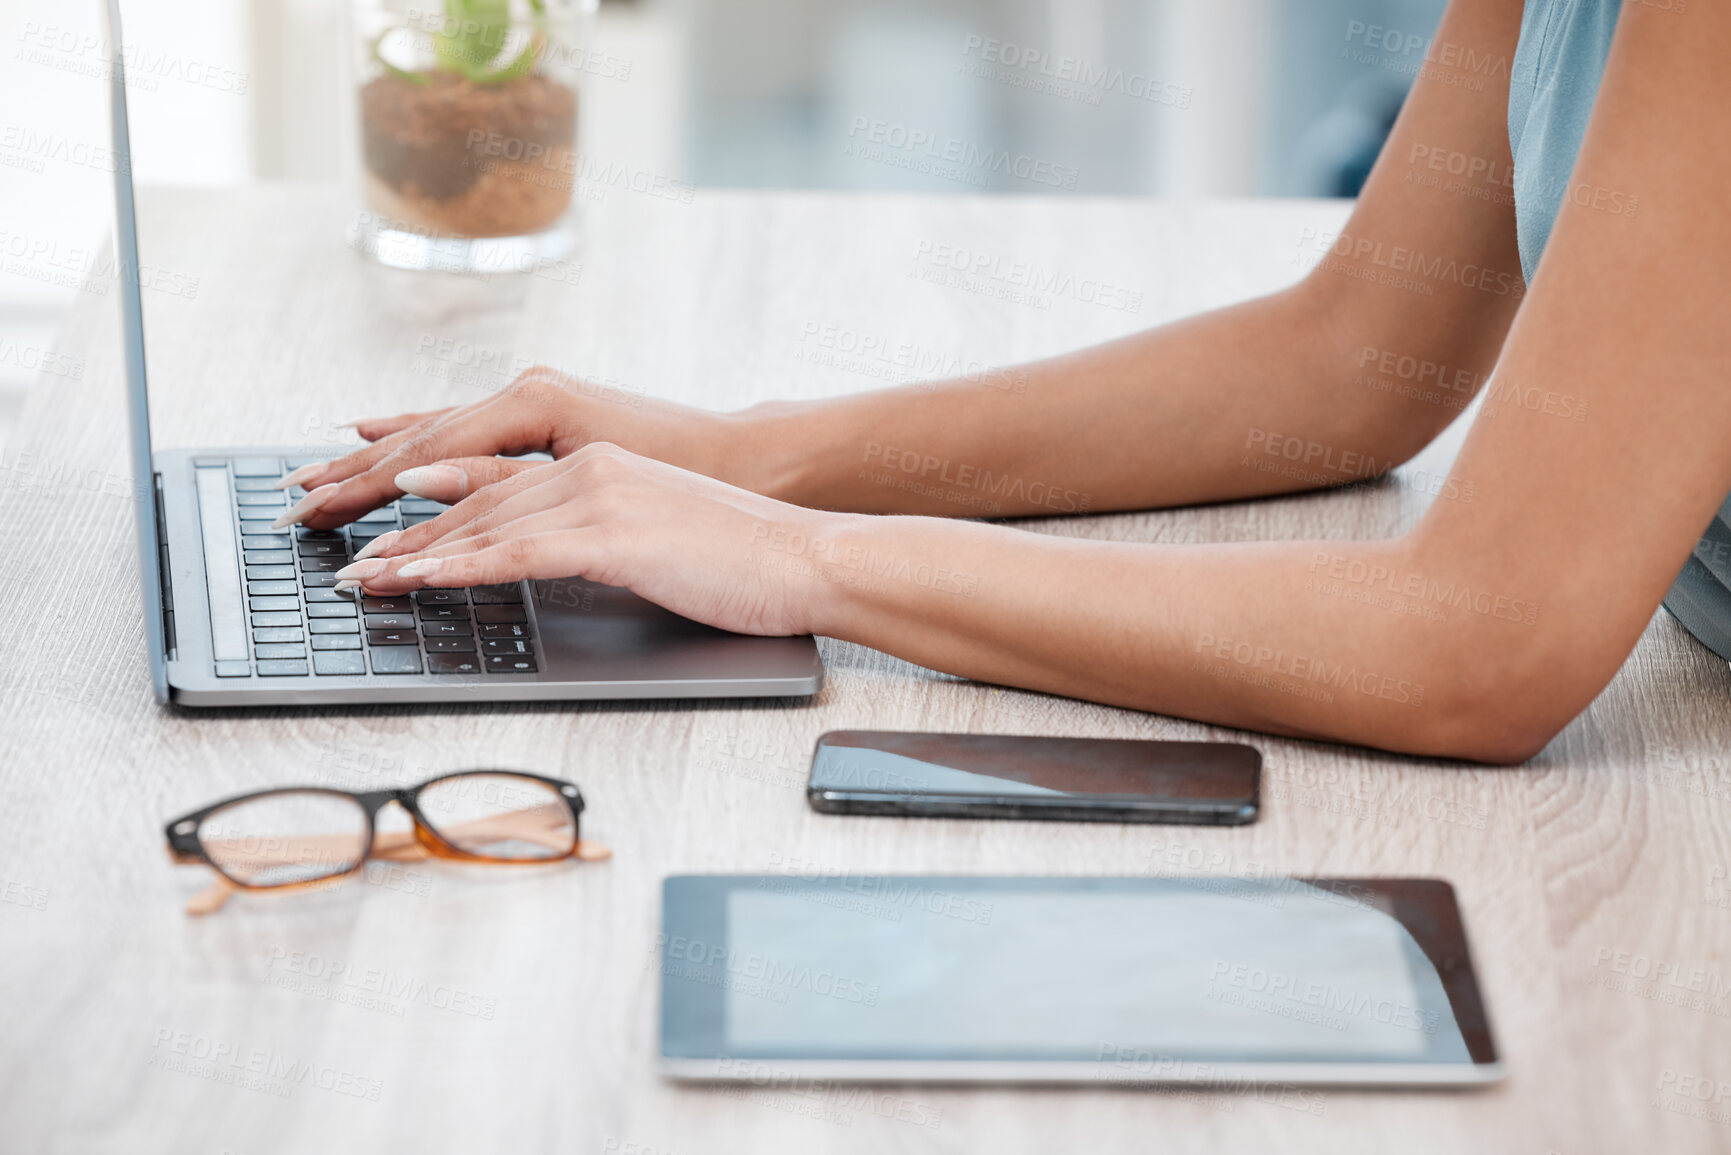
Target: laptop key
{"points": [[268, 497], [269, 557], [254, 484], [510, 664], [496, 615], [329, 595], [275, 603], [444, 613], [278, 634], [396, 660], [234, 669], [442, 597], [342, 609], [497, 595], [452, 664], [280, 650], [339, 662], [270, 467], [270, 572], [264, 541], [260, 589], [450, 645], [392, 638], [282, 668], [336, 641], [319, 580], [514, 630], [277, 618], [397, 605], [390, 622], [333, 626], [337, 548], [446, 630], [321, 564], [518, 646]]}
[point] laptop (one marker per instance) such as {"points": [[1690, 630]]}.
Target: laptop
{"points": [[239, 614]]}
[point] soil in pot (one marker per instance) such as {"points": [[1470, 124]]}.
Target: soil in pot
{"points": [[449, 156]]}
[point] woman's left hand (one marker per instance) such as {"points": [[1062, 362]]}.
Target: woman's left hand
{"points": [[699, 547]]}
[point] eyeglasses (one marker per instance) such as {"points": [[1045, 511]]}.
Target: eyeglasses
{"points": [[312, 835]]}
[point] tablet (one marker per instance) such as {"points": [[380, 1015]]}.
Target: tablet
{"points": [[1111, 981]]}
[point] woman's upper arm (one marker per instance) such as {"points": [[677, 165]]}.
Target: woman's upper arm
{"points": [[1426, 271], [1605, 443]]}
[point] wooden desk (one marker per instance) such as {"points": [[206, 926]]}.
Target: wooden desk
{"points": [[435, 1008]]}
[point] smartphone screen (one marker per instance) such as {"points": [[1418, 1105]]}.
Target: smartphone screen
{"points": [[1013, 776]]}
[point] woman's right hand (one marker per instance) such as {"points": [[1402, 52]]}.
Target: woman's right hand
{"points": [[541, 411]]}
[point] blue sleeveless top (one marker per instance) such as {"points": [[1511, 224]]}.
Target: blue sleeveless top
{"points": [[1552, 84]]}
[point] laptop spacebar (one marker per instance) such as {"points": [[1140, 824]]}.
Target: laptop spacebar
{"points": [[221, 566]]}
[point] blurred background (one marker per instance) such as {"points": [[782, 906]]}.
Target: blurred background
{"points": [[1165, 98]]}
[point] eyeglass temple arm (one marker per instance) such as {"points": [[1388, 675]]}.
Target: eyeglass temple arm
{"points": [[392, 846]]}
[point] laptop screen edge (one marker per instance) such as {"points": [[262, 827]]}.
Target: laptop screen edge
{"points": [[125, 235]]}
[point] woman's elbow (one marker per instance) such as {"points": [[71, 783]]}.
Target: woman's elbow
{"points": [[1500, 711], [1492, 738]]}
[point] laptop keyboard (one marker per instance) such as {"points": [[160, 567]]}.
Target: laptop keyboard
{"points": [[300, 626]]}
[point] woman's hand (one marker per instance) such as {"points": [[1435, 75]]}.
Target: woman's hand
{"points": [[541, 411], [697, 546]]}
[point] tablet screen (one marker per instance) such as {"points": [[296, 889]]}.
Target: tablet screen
{"points": [[890, 967]]}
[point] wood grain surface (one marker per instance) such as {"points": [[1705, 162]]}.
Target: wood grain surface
{"points": [[433, 1007]]}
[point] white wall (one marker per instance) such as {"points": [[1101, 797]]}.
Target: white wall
{"points": [[189, 80]]}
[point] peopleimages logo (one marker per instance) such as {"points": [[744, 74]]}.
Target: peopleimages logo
{"points": [[1401, 263], [782, 977], [1070, 76], [1332, 1003], [922, 150], [891, 889], [969, 263], [1003, 486], [1303, 668], [1423, 588]]}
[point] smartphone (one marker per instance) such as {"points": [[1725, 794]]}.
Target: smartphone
{"points": [[1054, 779]]}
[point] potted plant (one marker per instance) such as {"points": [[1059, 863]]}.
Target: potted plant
{"points": [[468, 123]]}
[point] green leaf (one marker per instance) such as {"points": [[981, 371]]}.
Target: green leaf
{"points": [[473, 36]]}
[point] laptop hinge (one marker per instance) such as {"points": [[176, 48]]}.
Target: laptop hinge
{"points": [[164, 581]]}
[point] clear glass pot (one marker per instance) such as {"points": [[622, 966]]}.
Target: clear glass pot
{"points": [[466, 121]]}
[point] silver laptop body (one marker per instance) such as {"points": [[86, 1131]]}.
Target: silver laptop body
{"points": [[240, 615]]}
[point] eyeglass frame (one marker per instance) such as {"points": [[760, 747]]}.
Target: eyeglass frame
{"points": [[187, 849]]}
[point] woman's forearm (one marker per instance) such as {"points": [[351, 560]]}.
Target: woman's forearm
{"points": [[1304, 639], [1256, 399]]}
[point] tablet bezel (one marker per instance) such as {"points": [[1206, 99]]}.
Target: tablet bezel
{"points": [[693, 1013]]}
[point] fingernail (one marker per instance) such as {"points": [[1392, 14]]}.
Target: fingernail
{"points": [[359, 571], [435, 482], [426, 567], [302, 474], [383, 541], [346, 584], [306, 507]]}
